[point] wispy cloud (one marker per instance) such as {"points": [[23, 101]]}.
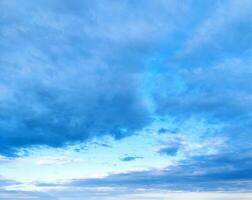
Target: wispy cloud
{"points": [[54, 160]]}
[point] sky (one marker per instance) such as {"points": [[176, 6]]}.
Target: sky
{"points": [[129, 100]]}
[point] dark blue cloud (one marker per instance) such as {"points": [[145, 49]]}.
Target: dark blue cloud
{"points": [[74, 71], [170, 150], [229, 172], [130, 158], [171, 146], [165, 130]]}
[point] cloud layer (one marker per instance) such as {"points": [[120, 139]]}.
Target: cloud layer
{"points": [[75, 71], [72, 72]]}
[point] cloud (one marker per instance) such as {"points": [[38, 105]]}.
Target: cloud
{"points": [[75, 72], [208, 77], [5, 182], [164, 130], [130, 158], [172, 146], [72, 72], [108, 194], [170, 150], [102, 144], [62, 160], [11, 195], [219, 94], [219, 34], [220, 172], [218, 176]]}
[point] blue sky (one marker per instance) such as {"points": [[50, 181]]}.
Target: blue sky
{"points": [[131, 100]]}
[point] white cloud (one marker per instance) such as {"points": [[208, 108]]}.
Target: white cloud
{"points": [[61, 160]]}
